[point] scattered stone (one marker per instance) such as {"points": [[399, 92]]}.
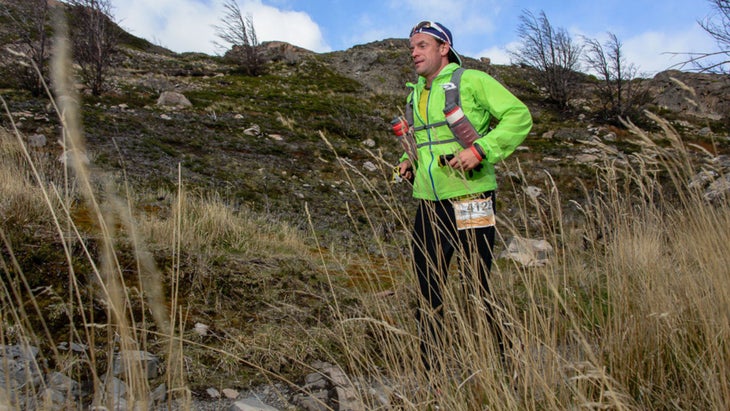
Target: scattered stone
{"points": [[705, 132], [328, 388], [201, 329], [75, 347], [533, 192], [159, 394], [118, 390], [69, 155], [37, 140], [610, 136], [53, 400], [718, 190], [369, 166], [230, 393], [145, 360], [528, 252], [173, 99], [213, 393], [251, 404], [586, 158], [62, 383], [254, 130], [20, 365]]}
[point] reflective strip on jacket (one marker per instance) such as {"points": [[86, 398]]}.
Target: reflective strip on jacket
{"points": [[482, 98]]}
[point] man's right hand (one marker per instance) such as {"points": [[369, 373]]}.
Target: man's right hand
{"points": [[405, 169]]}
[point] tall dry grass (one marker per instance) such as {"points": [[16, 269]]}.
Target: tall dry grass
{"points": [[97, 221], [132, 260], [631, 312]]}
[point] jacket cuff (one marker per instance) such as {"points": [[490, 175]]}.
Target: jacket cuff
{"points": [[480, 150]]}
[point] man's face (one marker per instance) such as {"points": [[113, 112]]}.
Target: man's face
{"points": [[429, 56]]}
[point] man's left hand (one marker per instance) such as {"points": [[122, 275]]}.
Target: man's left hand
{"points": [[465, 160]]}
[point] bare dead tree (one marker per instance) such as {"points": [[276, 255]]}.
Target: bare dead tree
{"points": [[717, 25], [551, 51], [94, 38], [238, 33], [24, 28], [619, 92]]}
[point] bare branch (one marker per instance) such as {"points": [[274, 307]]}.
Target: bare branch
{"points": [[618, 92], [239, 37], [551, 51], [25, 28], [717, 25], [94, 37]]}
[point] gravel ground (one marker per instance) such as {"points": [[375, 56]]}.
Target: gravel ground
{"points": [[275, 396]]}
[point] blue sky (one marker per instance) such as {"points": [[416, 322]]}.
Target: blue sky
{"points": [[650, 30]]}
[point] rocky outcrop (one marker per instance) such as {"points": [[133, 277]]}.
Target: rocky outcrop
{"points": [[282, 51], [701, 95], [23, 384], [385, 66], [381, 66]]}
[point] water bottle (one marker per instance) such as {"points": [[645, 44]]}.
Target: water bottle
{"points": [[405, 136], [400, 126], [460, 125]]}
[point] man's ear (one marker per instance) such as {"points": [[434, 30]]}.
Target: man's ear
{"points": [[445, 49]]}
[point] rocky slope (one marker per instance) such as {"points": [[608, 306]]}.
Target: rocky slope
{"points": [[313, 134]]}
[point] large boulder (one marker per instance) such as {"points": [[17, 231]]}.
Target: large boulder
{"points": [[173, 99], [702, 95]]}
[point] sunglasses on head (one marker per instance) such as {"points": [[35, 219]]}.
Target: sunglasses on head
{"points": [[420, 27]]}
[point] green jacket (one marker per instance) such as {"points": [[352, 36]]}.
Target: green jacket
{"points": [[482, 98]]}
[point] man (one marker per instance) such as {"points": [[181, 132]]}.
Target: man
{"points": [[457, 195]]}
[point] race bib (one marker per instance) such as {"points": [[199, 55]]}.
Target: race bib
{"points": [[474, 213]]}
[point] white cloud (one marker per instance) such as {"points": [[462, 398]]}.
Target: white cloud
{"points": [[496, 54], [293, 27], [371, 32], [188, 25], [650, 51], [653, 52]]}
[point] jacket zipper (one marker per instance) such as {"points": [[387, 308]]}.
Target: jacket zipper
{"points": [[430, 150]]}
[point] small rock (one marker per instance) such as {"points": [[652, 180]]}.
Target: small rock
{"points": [[533, 192], [69, 155], [369, 166], [251, 404], [254, 130], [147, 361], [37, 140], [201, 329], [173, 99], [528, 252], [586, 158], [230, 393]]}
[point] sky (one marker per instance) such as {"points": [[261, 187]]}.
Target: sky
{"points": [[652, 32]]}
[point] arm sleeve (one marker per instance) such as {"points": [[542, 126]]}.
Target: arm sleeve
{"points": [[492, 100]]}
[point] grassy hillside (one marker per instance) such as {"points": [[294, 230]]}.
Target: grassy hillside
{"points": [[252, 213]]}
